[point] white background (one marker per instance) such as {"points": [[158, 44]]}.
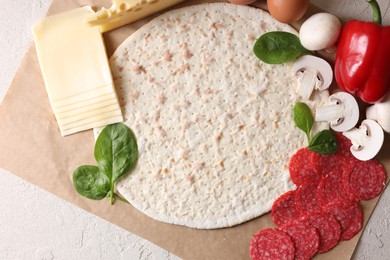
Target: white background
{"points": [[37, 225]]}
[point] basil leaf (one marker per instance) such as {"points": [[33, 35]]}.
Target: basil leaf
{"points": [[303, 118], [278, 47], [90, 182], [116, 151], [323, 142]]}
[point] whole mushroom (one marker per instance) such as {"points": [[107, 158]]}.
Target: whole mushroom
{"points": [[366, 140], [312, 73], [380, 112], [342, 112], [320, 31]]}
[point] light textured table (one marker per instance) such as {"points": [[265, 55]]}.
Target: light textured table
{"points": [[37, 225]]}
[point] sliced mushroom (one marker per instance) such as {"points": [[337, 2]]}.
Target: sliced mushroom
{"points": [[312, 73], [342, 112], [366, 140], [380, 112]]}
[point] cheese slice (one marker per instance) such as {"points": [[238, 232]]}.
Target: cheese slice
{"points": [[76, 72], [127, 11]]}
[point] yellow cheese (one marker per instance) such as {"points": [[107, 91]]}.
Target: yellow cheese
{"points": [[127, 11], [76, 72]]}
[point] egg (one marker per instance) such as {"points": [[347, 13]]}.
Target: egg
{"points": [[242, 2], [287, 11]]}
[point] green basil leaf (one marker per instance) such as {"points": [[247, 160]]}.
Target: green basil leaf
{"points": [[278, 47], [116, 151], [303, 118], [323, 142], [90, 182]]}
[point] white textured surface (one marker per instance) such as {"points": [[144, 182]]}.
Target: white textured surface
{"points": [[17, 17], [37, 225]]}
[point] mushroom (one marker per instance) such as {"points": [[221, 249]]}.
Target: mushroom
{"points": [[312, 73], [320, 31], [366, 140], [342, 112], [380, 113]]}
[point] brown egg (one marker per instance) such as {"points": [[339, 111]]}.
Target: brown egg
{"points": [[242, 2], [287, 11]]}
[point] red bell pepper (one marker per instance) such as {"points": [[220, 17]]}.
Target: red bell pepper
{"points": [[362, 65]]}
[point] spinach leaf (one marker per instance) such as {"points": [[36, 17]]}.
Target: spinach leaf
{"points": [[116, 153], [90, 182], [303, 118], [278, 47], [323, 142]]}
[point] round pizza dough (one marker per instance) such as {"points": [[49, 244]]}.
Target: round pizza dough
{"points": [[213, 123]]}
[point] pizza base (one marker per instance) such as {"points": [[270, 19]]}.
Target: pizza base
{"points": [[213, 123]]}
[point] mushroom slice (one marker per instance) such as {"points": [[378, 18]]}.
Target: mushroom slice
{"points": [[312, 73], [342, 112], [366, 140], [379, 112]]}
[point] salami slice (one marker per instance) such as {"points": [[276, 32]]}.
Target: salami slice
{"points": [[284, 210], [350, 216], [328, 228], [272, 244], [314, 159], [306, 198], [332, 189], [365, 179], [305, 237], [327, 163], [344, 147], [301, 168]]}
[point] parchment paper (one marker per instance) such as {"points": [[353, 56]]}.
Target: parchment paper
{"points": [[33, 149]]}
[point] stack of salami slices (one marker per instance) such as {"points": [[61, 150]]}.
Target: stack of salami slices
{"points": [[324, 209]]}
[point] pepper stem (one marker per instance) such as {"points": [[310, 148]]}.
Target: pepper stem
{"points": [[376, 12]]}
